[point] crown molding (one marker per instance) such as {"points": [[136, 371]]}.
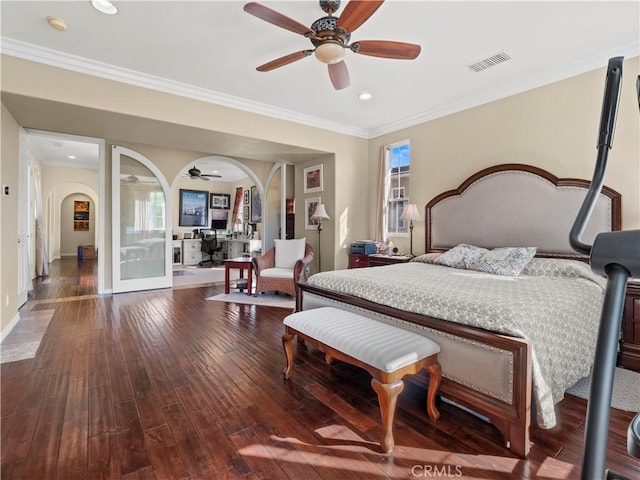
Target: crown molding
{"points": [[595, 62], [87, 66], [35, 53]]}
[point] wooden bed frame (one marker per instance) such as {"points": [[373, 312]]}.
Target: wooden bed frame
{"points": [[510, 414]]}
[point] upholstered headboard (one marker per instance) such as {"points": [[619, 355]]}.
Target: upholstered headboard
{"points": [[517, 205]]}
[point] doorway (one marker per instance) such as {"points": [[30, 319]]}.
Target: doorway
{"points": [[66, 165]]}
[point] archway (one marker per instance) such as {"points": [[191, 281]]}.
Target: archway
{"points": [[54, 214]]}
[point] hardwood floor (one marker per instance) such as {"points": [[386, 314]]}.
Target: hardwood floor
{"points": [[166, 385]]}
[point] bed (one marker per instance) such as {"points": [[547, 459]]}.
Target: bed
{"points": [[507, 360]]}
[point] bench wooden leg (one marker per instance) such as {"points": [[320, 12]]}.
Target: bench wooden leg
{"points": [[435, 376], [387, 398], [287, 341]]}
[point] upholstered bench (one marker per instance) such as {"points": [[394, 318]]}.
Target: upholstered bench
{"points": [[387, 352]]}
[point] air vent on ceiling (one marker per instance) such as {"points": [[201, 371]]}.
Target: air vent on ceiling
{"points": [[489, 62]]}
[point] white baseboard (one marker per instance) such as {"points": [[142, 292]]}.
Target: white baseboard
{"points": [[7, 330]]}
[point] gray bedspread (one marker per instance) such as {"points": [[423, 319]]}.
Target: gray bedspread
{"points": [[555, 304]]}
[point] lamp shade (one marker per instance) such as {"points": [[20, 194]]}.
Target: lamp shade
{"points": [[411, 213], [320, 213], [330, 52]]}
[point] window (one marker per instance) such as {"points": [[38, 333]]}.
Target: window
{"points": [[398, 161]]}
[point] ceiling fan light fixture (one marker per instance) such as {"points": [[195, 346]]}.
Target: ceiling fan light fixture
{"points": [[329, 52]]}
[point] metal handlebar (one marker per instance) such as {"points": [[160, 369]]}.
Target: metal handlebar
{"points": [[605, 140]]}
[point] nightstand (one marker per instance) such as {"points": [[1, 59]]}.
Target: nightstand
{"points": [[379, 260], [629, 356], [357, 260]]}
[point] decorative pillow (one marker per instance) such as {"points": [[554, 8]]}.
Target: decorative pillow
{"points": [[288, 252], [508, 261], [460, 256]]}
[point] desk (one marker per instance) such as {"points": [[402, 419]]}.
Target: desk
{"points": [[242, 264], [237, 247]]}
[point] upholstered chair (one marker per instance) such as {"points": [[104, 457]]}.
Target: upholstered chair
{"points": [[282, 265]]}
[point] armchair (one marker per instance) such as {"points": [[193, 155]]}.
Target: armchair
{"points": [[282, 266]]}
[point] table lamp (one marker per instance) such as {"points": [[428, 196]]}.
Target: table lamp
{"points": [[319, 214], [411, 213]]}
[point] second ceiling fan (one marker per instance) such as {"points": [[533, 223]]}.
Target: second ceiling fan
{"points": [[331, 35], [195, 174]]}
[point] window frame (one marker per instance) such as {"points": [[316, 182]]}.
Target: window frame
{"points": [[397, 181]]}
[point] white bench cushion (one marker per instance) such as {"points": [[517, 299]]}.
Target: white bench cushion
{"points": [[375, 343], [277, 273]]}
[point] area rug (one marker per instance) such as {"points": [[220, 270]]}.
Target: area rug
{"points": [[626, 390], [24, 339], [267, 299]]}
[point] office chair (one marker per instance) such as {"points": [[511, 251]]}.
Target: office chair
{"points": [[210, 246]]}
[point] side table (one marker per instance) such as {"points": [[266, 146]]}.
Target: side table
{"points": [[242, 264]]}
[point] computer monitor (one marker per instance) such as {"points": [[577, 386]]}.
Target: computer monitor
{"points": [[219, 219]]}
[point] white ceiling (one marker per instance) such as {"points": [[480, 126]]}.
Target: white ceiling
{"points": [[209, 50], [63, 150]]}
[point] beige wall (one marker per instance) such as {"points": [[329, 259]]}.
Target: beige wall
{"points": [[9, 148], [553, 127], [336, 207]]}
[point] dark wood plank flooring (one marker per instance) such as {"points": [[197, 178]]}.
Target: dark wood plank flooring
{"points": [[166, 385]]}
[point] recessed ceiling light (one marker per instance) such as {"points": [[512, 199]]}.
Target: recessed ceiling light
{"points": [[57, 23], [72, 157], [104, 6], [365, 96]]}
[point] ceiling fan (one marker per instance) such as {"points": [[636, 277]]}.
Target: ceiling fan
{"points": [[195, 174], [330, 36]]}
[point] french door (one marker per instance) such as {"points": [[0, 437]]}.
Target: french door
{"points": [[141, 223]]}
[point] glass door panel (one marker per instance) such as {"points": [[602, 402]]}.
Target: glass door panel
{"points": [[142, 243]]}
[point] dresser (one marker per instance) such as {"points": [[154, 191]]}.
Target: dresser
{"points": [[191, 254], [629, 355]]}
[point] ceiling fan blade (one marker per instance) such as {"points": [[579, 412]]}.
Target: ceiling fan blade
{"points": [[339, 75], [276, 18], [386, 49], [211, 175], [282, 61], [357, 12]]}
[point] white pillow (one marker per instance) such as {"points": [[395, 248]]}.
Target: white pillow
{"points": [[288, 252], [509, 261]]}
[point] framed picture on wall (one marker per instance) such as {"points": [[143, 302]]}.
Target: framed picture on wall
{"points": [[310, 205], [246, 197], [81, 211], [194, 208], [219, 200], [313, 179], [245, 214], [256, 205]]}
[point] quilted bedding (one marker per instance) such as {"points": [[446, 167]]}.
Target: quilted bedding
{"points": [[555, 304]]}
